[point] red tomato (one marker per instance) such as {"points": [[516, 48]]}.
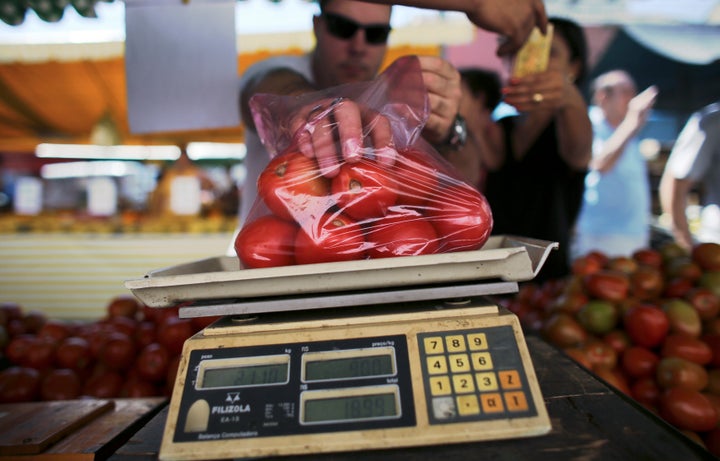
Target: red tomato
{"points": [[73, 353], [34, 320], [589, 263], [152, 362], [648, 257], [562, 330], [118, 352], [19, 384], [614, 378], [55, 330], [607, 285], [401, 235], [417, 177], [173, 333], [639, 362], [103, 384], [123, 324], [291, 186], [570, 301], [688, 409], [677, 287], [335, 237], [647, 392], [705, 302], [145, 333], [713, 340], [688, 348], [18, 347], [40, 355], [123, 305], [678, 372], [707, 256], [266, 242], [600, 354], [624, 264], [683, 267], [579, 355], [462, 218], [646, 325], [618, 340], [364, 189], [683, 318], [60, 384], [647, 283]]}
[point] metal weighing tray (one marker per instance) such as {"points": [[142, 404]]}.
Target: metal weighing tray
{"points": [[221, 282]]}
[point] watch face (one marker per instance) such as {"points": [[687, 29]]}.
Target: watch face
{"points": [[459, 133]]}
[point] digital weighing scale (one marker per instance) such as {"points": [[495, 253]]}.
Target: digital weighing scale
{"points": [[350, 356]]}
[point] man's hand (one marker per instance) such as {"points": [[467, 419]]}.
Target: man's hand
{"points": [[443, 85], [331, 131], [512, 19]]}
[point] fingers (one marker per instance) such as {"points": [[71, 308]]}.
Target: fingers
{"points": [[444, 88], [518, 35], [331, 131], [538, 91], [380, 133]]}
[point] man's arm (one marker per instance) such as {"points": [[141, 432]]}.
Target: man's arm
{"points": [[513, 19], [636, 117], [673, 199]]}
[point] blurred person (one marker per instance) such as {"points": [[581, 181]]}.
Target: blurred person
{"points": [[480, 96], [537, 190], [694, 162], [183, 188], [616, 211]]}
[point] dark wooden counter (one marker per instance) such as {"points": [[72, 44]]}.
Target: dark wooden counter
{"points": [[590, 421]]}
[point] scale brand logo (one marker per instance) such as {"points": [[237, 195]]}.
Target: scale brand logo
{"points": [[233, 407]]}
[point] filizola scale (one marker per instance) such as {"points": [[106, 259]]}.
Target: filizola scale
{"points": [[365, 355]]}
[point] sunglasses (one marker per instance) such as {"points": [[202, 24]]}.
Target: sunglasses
{"points": [[344, 28]]}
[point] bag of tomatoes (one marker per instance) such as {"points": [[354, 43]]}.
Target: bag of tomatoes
{"points": [[350, 178]]}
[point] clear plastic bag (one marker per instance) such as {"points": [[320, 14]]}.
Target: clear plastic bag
{"points": [[396, 199]]}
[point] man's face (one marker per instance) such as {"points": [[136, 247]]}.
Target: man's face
{"points": [[353, 59]]}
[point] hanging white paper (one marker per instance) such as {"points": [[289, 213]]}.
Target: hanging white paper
{"points": [[181, 65]]}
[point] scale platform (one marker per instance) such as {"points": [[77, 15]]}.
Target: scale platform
{"points": [[342, 360]]}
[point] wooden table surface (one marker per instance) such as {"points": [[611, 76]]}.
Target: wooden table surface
{"points": [[590, 421]]}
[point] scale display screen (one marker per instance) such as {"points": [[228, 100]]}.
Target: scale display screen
{"points": [[349, 364], [244, 372], [350, 405]]}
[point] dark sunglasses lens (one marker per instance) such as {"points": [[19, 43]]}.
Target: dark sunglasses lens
{"points": [[340, 27], [344, 28], [376, 34]]}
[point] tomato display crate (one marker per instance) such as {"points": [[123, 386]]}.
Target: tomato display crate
{"points": [[504, 258]]}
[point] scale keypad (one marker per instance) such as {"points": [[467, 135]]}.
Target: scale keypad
{"points": [[474, 375]]}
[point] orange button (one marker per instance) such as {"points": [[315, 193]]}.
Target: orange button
{"points": [[516, 401], [510, 379], [492, 403]]}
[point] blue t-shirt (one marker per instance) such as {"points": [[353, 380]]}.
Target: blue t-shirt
{"points": [[616, 202]]}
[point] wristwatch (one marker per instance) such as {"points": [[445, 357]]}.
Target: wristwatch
{"points": [[458, 133]]}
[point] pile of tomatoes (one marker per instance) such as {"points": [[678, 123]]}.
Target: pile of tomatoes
{"points": [[132, 352], [647, 323], [366, 210]]}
